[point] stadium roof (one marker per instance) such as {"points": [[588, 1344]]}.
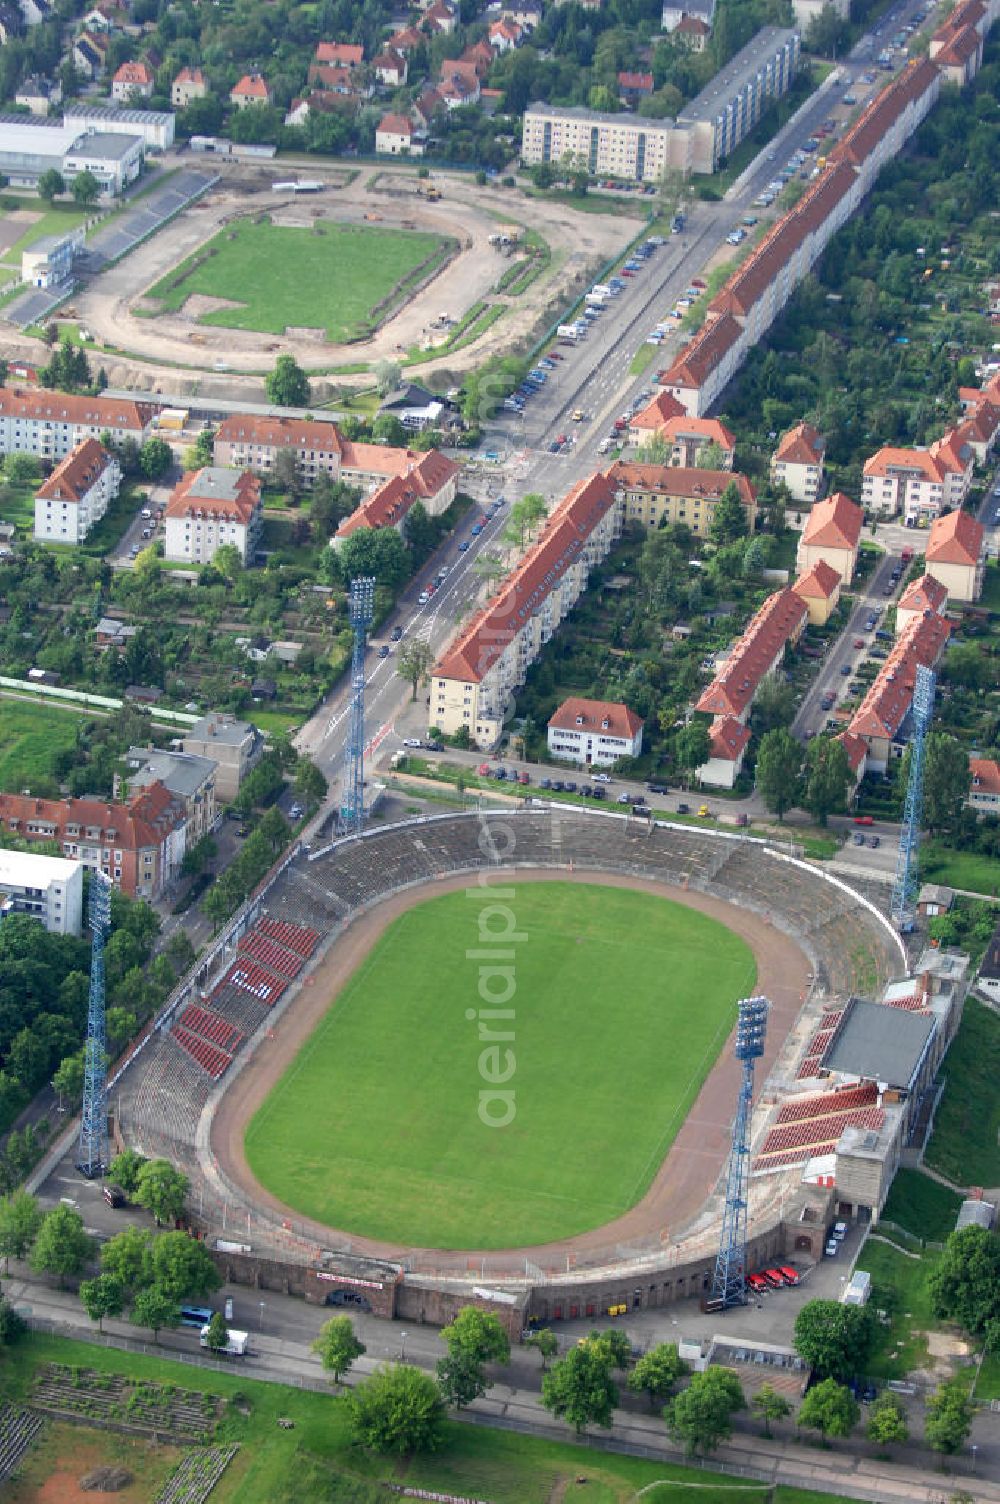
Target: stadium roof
{"points": [[879, 1043]]}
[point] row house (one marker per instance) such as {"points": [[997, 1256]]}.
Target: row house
{"points": [[212, 507], [432, 481], [956, 555], [659, 495], [188, 778], [50, 424], [797, 463], [759, 652], [920, 596], [888, 121], [707, 364], [75, 497], [473, 684], [648, 423], [687, 439], [832, 533], [883, 718], [820, 587], [138, 845]]}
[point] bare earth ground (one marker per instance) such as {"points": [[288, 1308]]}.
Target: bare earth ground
{"points": [[15, 224], [51, 1472], [688, 1175], [579, 242]]}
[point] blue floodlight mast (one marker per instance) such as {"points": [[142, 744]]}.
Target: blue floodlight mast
{"points": [[93, 1155], [361, 606], [904, 889], [729, 1286]]}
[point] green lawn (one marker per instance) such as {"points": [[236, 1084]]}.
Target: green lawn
{"points": [[332, 276], [375, 1128], [970, 870], [922, 1206], [19, 506], [899, 1285], [965, 1144], [29, 737], [502, 1466]]}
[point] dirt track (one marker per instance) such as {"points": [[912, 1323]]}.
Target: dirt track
{"points": [[691, 1169]]}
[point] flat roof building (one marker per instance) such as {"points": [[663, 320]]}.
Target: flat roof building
{"points": [[49, 888]]}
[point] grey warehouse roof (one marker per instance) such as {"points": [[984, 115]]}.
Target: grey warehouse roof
{"points": [[109, 146], [118, 117], [879, 1043]]}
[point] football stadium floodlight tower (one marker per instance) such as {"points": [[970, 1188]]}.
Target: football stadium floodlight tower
{"points": [[93, 1154], [361, 608], [904, 889], [729, 1286]]}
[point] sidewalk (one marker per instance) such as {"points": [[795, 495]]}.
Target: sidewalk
{"points": [[782, 1460]]}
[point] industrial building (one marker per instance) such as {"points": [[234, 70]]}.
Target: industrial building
{"points": [[29, 147]]}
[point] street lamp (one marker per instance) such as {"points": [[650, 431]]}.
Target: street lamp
{"points": [[261, 1325], [402, 1349], [974, 1449]]}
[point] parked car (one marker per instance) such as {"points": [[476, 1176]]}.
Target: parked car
{"points": [[832, 1249], [384, 650], [873, 841], [683, 809], [757, 1283], [396, 633], [657, 788], [858, 838], [864, 820], [601, 777]]}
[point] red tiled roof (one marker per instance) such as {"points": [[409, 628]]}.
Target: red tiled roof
{"points": [[734, 687], [700, 356], [983, 421], [376, 459], [73, 477], [818, 583], [834, 523], [679, 480], [280, 433], [197, 493], [656, 413], [83, 412], [694, 26], [404, 41], [985, 775], [801, 445], [560, 546], [389, 61], [925, 594], [387, 505], [641, 82], [251, 86], [605, 715], [347, 54], [959, 47], [878, 118], [708, 430], [856, 748], [728, 738], [190, 76], [144, 820], [904, 463], [953, 449], [955, 539], [394, 125], [138, 73], [331, 77], [885, 706]]}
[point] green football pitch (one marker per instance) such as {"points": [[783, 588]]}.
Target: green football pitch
{"points": [[329, 277], [621, 1004]]}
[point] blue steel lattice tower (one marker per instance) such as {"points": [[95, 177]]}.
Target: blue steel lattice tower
{"points": [[904, 889], [93, 1157], [730, 1283], [352, 795]]}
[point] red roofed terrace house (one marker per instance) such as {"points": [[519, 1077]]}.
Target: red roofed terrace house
{"points": [[688, 439], [251, 443], [919, 597], [594, 733], [778, 624], [797, 463], [658, 495], [252, 88], [820, 588], [832, 533], [212, 507], [474, 683], [77, 494], [883, 718], [956, 555], [429, 478], [138, 845]]}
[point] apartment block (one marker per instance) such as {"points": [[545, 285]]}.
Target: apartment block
{"points": [[48, 888], [656, 495], [77, 494], [212, 507], [50, 424]]}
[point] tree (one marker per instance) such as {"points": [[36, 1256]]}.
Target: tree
{"points": [[287, 385], [770, 1406], [413, 662], [338, 1346], [125, 1258], [86, 188], [965, 1284], [774, 702], [461, 1378], [162, 1190], [155, 458], [309, 783], [286, 474], [701, 1415], [616, 1344], [124, 1170], [377, 551], [657, 1372], [946, 781], [217, 1336], [948, 1419], [20, 1219], [827, 778], [103, 1296], [228, 560], [478, 1333], [834, 1339], [155, 1309], [50, 184], [887, 1421], [546, 1342], [710, 456], [829, 1408], [729, 519], [399, 1409], [692, 747], [21, 469], [524, 517], [779, 760], [61, 1246], [579, 1388], [67, 1083], [182, 1267], [387, 374]]}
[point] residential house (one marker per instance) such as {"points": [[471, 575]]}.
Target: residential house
{"points": [[430, 478], [594, 733], [688, 440], [426, 106], [481, 56], [90, 49], [459, 83], [919, 597], [49, 888], [505, 34], [956, 555], [390, 68], [49, 424], [247, 442], [252, 88], [728, 740], [338, 80], [820, 588], [984, 785], [235, 747], [833, 533], [440, 18], [396, 136], [132, 81], [406, 41], [797, 463], [189, 84], [981, 429], [649, 422], [693, 32], [657, 495], [527, 13], [415, 407], [919, 483], [39, 95], [340, 54], [674, 12], [474, 682], [634, 86], [883, 718], [212, 507], [187, 777], [856, 749], [138, 845], [111, 632], [75, 497]]}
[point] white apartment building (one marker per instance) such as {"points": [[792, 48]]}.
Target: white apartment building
{"points": [[50, 424], [49, 888], [919, 483], [77, 494], [594, 733], [212, 507]]}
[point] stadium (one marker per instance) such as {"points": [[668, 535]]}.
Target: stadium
{"points": [[228, 1044]]}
